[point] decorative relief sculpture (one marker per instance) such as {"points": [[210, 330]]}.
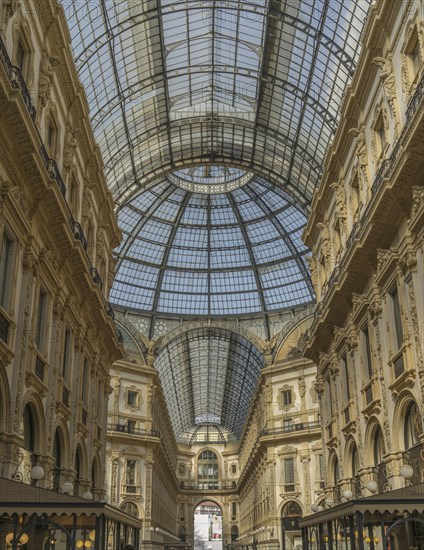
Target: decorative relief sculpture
{"points": [[47, 71], [361, 151], [69, 148], [10, 7], [340, 200], [389, 82]]}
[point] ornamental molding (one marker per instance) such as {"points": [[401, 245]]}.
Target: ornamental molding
{"points": [[139, 400], [409, 81], [417, 212]]}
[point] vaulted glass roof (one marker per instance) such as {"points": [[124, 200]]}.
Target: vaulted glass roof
{"points": [[208, 375], [211, 254], [254, 84]]}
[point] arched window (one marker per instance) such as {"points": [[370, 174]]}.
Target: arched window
{"points": [[78, 474], [207, 468], [292, 510], [57, 455], [412, 425], [130, 508], [28, 428], [336, 471], [378, 446], [355, 461], [234, 533]]}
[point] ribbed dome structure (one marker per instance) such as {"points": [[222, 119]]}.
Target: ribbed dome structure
{"points": [[202, 253]]}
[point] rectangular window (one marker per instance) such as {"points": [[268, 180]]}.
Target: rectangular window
{"points": [[5, 267], [321, 467], [233, 510], [287, 397], [329, 396], [289, 471], [346, 377], [85, 382], [40, 328], [367, 352], [131, 426], [132, 398], [130, 472], [51, 134], [398, 319], [20, 56], [66, 355]]}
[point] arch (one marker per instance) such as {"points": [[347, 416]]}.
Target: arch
{"points": [[80, 466], [291, 334], [412, 425], [60, 454], [333, 468], [351, 458], [405, 398], [4, 399], [33, 404], [96, 474], [292, 508], [234, 533], [213, 528], [130, 507], [375, 446]]}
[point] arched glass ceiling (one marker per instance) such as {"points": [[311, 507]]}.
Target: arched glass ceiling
{"points": [[234, 253], [209, 374], [256, 84]]}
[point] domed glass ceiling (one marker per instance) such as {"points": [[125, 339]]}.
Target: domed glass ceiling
{"points": [[191, 253]]}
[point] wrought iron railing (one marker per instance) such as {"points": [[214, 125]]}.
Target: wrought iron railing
{"points": [[300, 426], [4, 328], [39, 367], [208, 485], [17, 82], [398, 365], [385, 171], [123, 428]]}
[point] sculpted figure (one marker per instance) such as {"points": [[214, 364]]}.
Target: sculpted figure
{"points": [[361, 150], [47, 71], [389, 82], [69, 147]]}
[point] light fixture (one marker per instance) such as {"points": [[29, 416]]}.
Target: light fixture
{"points": [[87, 544], [314, 507], [79, 544], [37, 473], [23, 539], [320, 509], [329, 502], [92, 535], [406, 471], [371, 486], [347, 494], [88, 495]]}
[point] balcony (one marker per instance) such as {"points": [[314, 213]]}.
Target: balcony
{"points": [[125, 429], [291, 428], [208, 485]]}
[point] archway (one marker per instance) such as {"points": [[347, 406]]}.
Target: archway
{"points": [[208, 526], [291, 534]]}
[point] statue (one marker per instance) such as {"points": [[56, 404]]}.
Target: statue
{"points": [[47, 72], [389, 82], [340, 199], [69, 147], [313, 270], [361, 150]]}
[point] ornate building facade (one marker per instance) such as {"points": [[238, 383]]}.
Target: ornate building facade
{"points": [[366, 233]]}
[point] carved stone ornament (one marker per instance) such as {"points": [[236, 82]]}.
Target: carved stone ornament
{"points": [[10, 7], [383, 256], [69, 147], [340, 201], [389, 82], [377, 155], [358, 301], [48, 66], [361, 150], [409, 80], [417, 203]]}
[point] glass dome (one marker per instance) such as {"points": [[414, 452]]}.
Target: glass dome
{"points": [[234, 253]]}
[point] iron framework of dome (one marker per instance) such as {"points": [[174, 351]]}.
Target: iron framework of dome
{"points": [[213, 377], [211, 254]]}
